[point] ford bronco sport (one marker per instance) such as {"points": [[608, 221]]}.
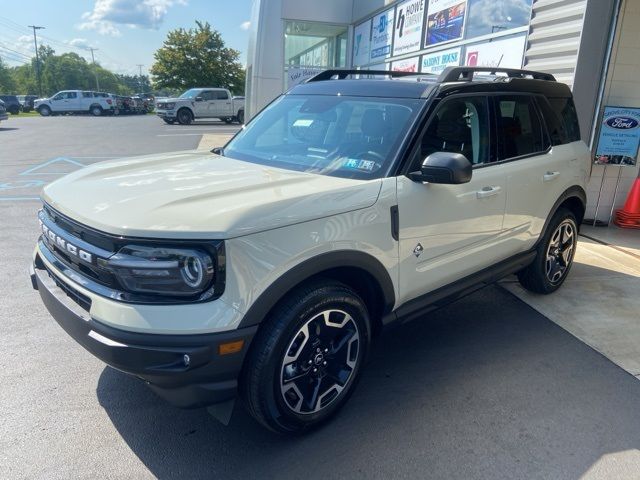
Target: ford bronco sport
{"points": [[349, 204]]}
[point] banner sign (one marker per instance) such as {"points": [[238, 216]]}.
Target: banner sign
{"points": [[408, 65], [438, 61], [619, 136], [299, 75], [445, 21], [382, 35], [408, 28], [361, 43], [506, 53]]}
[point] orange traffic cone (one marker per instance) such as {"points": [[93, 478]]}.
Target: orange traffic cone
{"points": [[629, 215]]}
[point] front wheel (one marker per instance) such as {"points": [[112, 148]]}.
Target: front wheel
{"points": [[44, 111], [306, 358], [554, 255], [185, 117]]}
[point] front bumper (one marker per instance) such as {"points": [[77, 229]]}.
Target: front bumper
{"points": [[168, 114], [186, 370]]}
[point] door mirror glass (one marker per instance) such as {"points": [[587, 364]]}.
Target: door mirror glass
{"points": [[444, 167]]}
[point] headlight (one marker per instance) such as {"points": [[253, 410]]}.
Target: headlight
{"points": [[155, 270], [169, 106]]}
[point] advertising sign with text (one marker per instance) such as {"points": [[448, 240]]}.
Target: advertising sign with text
{"points": [[408, 26], [382, 35]]}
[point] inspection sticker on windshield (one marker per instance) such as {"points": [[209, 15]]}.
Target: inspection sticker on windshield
{"points": [[358, 164]]}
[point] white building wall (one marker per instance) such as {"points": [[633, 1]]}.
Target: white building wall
{"points": [[622, 89]]}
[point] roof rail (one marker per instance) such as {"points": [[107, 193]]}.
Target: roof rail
{"points": [[456, 74], [344, 73]]}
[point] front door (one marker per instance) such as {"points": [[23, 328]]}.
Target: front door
{"points": [[202, 104], [448, 232]]}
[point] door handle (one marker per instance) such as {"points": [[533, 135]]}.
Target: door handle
{"points": [[487, 192], [547, 177]]}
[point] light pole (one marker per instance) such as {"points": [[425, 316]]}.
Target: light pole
{"points": [[35, 42], [95, 70], [140, 65]]}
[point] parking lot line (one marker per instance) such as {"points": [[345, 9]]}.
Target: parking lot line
{"points": [[180, 135], [17, 199], [34, 170]]}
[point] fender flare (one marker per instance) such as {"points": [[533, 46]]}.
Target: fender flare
{"points": [[315, 266], [571, 192]]}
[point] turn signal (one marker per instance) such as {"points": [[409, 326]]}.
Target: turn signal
{"points": [[230, 347]]}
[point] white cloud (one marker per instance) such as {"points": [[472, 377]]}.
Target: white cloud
{"points": [[108, 14], [245, 25], [80, 43], [25, 42]]}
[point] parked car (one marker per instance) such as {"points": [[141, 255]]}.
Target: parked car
{"points": [[76, 101], [3, 111], [11, 104], [347, 205], [148, 98], [198, 103], [26, 102]]}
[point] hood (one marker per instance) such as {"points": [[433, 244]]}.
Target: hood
{"points": [[170, 100], [200, 195]]}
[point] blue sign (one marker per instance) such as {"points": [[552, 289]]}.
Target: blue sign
{"points": [[619, 136]]}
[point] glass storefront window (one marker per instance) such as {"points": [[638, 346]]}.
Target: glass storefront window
{"points": [[310, 47]]}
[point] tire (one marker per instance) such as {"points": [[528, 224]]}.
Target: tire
{"points": [[44, 110], [95, 110], [320, 351], [169, 122], [185, 117], [554, 255], [240, 117]]}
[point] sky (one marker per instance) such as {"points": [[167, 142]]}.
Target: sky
{"points": [[124, 32]]}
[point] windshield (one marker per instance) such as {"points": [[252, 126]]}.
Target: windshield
{"points": [[192, 93], [351, 137]]}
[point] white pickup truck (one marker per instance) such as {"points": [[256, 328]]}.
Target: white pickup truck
{"points": [[198, 103], [76, 101]]}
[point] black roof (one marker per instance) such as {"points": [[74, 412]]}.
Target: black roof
{"points": [[411, 85]]}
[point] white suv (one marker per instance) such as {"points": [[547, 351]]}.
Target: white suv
{"points": [[76, 101], [347, 205], [199, 103]]}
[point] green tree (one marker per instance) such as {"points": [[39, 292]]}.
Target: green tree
{"points": [[7, 84], [197, 57]]}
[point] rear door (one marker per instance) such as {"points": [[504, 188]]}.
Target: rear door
{"points": [[224, 106], [539, 163], [448, 232]]}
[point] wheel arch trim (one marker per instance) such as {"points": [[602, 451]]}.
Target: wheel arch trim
{"points": [[313, 267], [575, 191]]}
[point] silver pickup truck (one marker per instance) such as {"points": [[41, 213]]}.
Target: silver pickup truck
{"points": [[198, 103]]}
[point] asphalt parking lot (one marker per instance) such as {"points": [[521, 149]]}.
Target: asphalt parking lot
{"points": [[486, 388]]}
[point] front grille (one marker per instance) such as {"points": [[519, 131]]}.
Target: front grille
{"points": [[81, 239], [72, 293]]}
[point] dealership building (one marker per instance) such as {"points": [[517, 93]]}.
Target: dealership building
{"points": [[591, 45]]}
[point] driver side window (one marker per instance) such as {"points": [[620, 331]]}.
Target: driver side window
{"points": [[460, 125]]}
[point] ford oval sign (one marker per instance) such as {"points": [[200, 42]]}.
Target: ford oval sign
{"points": [[621, 123]]}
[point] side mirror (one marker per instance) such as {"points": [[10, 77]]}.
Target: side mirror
{"points": [[444, 167], [199, 99]]}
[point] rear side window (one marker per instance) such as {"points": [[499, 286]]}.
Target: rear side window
{"points": [[566, 110], [222, 95], [555, 124], [519, 129]]}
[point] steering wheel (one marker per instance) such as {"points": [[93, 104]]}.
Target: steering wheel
{"points": [[371, 154]]}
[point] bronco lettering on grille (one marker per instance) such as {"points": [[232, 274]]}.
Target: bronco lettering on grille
{"points": [[65, 246]]}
